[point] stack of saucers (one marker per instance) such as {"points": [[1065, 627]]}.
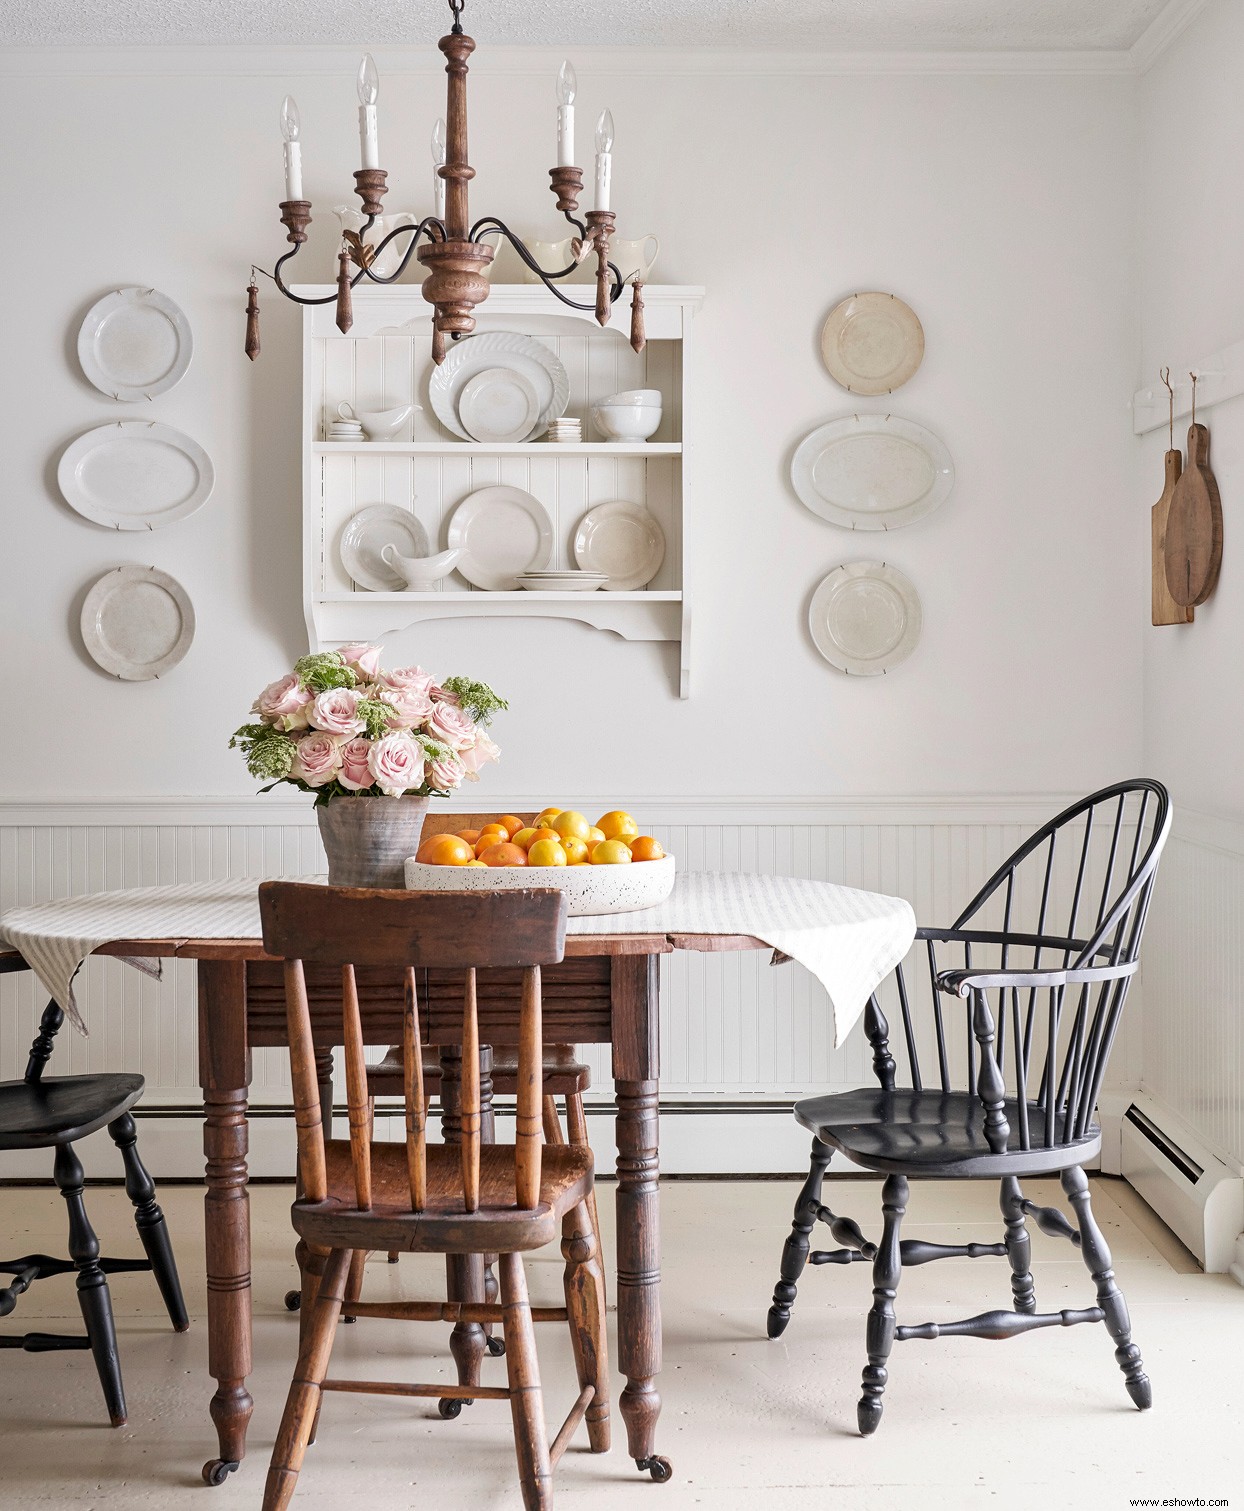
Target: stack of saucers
{"points": [[562, 582], [564, 432], [345, 430]]}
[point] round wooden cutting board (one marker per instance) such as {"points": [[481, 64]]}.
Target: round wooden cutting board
{"points": [[1194, 527]]}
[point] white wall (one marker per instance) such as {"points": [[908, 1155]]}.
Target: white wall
{"points": [[999, 206]]}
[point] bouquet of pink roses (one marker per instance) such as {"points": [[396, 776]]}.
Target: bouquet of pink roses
{"points": [[339, 725]]}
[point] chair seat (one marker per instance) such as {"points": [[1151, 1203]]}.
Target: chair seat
{"points": [[62, 1109], [934, 1133], [443, 1227], [563, 1074]]}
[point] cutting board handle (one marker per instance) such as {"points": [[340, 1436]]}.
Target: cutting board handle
{"points": [[1174, 467], [1198, 446]]}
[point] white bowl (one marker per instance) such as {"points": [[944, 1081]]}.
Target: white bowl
{"points": [[589, 890], [634, 396], [627, 422]]}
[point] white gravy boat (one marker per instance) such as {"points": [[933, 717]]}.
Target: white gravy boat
{"points": [[379, 424], [420, 573]]}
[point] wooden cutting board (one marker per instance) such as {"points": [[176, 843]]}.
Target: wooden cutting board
{"points": [[1194, 527], [1165, 609]]}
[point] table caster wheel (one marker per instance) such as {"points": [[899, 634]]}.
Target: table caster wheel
{"points": [[659, 1468], [293, 1300], [217, 1471], [449, 1408], [496, 1347]]}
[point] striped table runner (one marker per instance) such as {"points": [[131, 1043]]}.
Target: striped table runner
{"points": [[849, 940]]}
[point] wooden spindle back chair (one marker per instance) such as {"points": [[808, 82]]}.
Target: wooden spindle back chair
{"points": [[1005, 1086], [465, 1199]]}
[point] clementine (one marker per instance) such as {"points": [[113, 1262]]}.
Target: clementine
{"points": [[644, 847], [504, 854], [512, 823], [444, 850]]}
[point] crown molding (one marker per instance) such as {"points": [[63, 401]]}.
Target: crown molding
{"points": [[1165, 28]]}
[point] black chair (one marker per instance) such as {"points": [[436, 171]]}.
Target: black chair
{"points": [[55, 1113], [1043, 1005]]}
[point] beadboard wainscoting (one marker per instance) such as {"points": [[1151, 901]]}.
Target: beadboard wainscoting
{"points": [[740, 1038]]}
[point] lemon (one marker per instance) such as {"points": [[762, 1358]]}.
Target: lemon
{"points": [[611, 852], [524, 837], [576, 851], [594, 836], [478, 863], [617, 825], [546, 852], [570, 825], [545, 816]]}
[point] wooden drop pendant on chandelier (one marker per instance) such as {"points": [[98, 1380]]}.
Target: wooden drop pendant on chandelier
{"points": [[449, 246]]}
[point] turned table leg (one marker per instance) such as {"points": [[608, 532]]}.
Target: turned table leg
{"points": [[634, 992], [224, 1072]]}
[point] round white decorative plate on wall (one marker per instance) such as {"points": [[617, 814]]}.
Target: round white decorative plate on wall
{"points": [[872, 472], [135, 344], [135, 475], [137, 623], [865, 618], [872, 343]]}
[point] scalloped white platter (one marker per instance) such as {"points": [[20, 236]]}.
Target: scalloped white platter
{"points": [[135, 475], [589, 890], [872, 472], [137, 623], [135, 343], [865, 618], [524, 355]]}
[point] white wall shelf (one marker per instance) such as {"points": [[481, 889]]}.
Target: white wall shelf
{"points": [[385, 359]]}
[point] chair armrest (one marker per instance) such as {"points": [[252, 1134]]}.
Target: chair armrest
{"points": [[962, 983]]}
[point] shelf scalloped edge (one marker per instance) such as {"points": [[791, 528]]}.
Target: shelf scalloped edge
{"points": [[342, 618], [519, 595]]}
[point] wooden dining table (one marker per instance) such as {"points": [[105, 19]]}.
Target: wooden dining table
{"points": [[606, 991]]}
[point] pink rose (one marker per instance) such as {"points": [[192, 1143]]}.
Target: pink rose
{"points": [[317, 759], [479, 754], [362, 659], [355, 773], [396, 763], [284, 703], [409, 706], [409, 678], [451, 727], [336, 712], [446, 774]]}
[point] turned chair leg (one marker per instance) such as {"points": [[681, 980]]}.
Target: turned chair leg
{"points": [[795, 1250], [887, 1270], [1018, 1246], [302, 1403], [93, 1295], [584, 1284], [354, 1284], [576, 1132], [531, 1444], [1096, 1254], [149, 1220]]}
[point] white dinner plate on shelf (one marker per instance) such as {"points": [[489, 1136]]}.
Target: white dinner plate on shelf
{"points": [[135, 344], [366, 535], [524, 355], [135, 475], [137, 623], [562, 582], [865, 618], [622, 540], [498, 405], [502, 532], [872, 343], [872, 472]]}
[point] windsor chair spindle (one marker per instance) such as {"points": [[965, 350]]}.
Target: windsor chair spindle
{"points": [[467, 1199], [1042, 959]]}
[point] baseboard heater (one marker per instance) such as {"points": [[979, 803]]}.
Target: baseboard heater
{"points": [[1197, 1195]]}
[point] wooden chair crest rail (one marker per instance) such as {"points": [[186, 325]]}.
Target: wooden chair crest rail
{"points": [[54, 1113], [1042, 958], [466, 1199]]}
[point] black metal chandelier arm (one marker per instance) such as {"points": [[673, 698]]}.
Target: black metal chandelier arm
{"points": [[429, 226], [491, 223]]}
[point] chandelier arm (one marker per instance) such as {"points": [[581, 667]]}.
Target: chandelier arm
{"points": [[428, 225], [491, 223]]}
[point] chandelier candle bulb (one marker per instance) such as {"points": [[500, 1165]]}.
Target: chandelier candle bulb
{"points": [[369, 91], [438, 162], [290, 127], [567, 86], [604, 159]]}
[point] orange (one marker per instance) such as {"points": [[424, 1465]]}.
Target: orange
{"points": [[546, 852], [488, 838], [444, 850], [617, 824], [470, 835], [512, 823], [545, 815], [544, 833], [576, 851], [611, 852], [644, 847], [504, 854], [496, 827], [594, 836], [570, 825]]}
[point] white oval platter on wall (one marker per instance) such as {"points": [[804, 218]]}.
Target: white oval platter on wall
{"points": [[872, 472]]}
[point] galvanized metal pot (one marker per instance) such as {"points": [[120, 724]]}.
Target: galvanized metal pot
{"points": [[368, 839]]}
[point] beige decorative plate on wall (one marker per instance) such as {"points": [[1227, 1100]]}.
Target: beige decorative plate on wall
{"points": [[137, 622], [872, 343]]}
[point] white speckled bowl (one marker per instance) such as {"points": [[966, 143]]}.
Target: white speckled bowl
{"points": [[589, 889]]}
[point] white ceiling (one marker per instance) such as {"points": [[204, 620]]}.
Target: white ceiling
{"points": [[974, 25]]}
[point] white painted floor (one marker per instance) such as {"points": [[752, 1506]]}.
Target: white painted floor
{"points": [[1040, 1421]]}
